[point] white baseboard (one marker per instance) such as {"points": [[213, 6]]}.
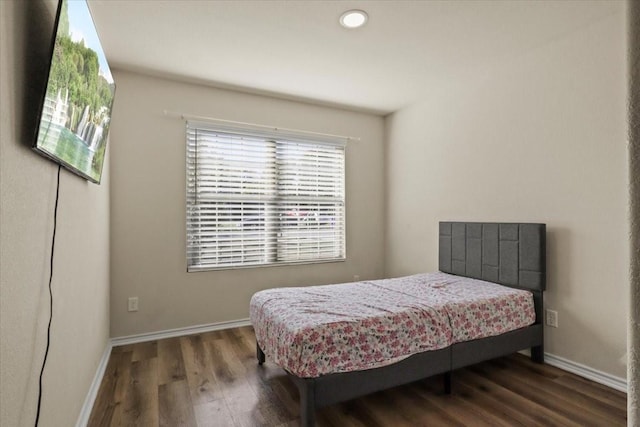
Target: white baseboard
{"points": [[595, 375], [178, 332], [87, 406]]}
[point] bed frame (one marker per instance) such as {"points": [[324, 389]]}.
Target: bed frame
{"points": [[512, 254]]}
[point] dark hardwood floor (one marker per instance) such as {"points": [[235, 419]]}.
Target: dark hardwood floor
{"points": [[213, 379]]}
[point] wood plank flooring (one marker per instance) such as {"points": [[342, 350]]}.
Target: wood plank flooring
{"points": [[213, 379]]}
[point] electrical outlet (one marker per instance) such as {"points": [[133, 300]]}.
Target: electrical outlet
{"points": [[551, 318], [356, 277], [133, 304]]}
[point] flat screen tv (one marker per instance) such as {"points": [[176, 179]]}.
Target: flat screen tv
{"points": [[76, 108]]}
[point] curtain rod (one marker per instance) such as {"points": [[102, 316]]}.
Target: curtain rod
{"points": [[273, 128]]}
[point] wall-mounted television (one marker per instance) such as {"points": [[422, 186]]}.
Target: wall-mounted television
{"points": [[76, 110]]}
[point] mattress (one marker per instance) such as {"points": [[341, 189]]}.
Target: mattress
{"points": [[319, 330]]}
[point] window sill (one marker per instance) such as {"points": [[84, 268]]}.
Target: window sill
{"points": [[197, 269]]}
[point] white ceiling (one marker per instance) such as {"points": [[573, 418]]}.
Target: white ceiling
{"points": [[297, 49]]}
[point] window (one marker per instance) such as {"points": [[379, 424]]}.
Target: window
{"points": [[255, 198]]}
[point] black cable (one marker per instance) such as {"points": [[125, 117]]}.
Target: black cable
{"points": [[46, 352]]}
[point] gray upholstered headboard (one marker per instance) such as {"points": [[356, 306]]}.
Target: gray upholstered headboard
{"points": [[511, 254]]}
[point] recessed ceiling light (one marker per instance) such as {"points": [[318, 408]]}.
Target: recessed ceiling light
{"points": [[353, 18]]}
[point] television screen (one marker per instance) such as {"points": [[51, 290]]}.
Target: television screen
{"points": [[76, 112]]}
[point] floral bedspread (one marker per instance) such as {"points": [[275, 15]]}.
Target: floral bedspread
{"points": [[317, 330]]}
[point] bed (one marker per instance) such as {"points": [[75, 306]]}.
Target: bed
{"points": [[338, 342]]}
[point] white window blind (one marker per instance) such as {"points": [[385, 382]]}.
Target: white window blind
{"points": [[256, 199]]}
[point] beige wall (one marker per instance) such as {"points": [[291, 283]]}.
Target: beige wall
{"points": [[541, 138], [148, 204], [633, 344], [80, 329]]}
